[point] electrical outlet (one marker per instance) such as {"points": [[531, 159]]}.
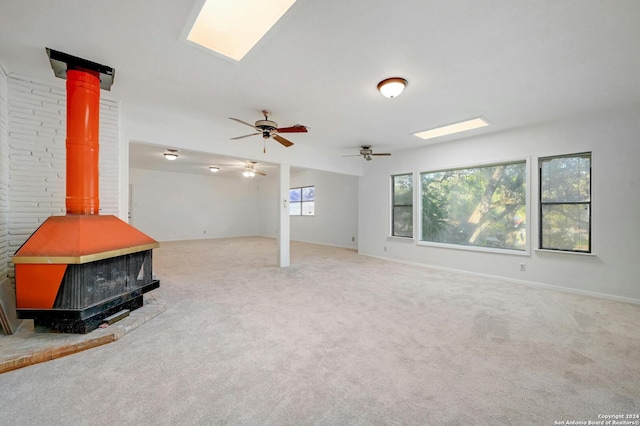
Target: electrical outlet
{"points": [[353, 239], [523, 267]]}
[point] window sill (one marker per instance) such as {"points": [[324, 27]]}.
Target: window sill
{"points": [[396, 238], [476, 249], [571, 253]]}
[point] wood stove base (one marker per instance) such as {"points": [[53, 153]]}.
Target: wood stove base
{"points": [[85, 320]]}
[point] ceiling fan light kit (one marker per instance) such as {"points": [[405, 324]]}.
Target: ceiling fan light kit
{"points": [[214, 169], [392, 87], [171, 154]]}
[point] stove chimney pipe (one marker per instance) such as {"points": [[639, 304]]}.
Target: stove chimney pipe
{"points": [[84, 81], [83, 118]]}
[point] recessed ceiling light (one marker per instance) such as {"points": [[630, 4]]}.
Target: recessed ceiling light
{"points": [[392, 87], [171, 154], [214, 169], [453, 128], [233, 27]]}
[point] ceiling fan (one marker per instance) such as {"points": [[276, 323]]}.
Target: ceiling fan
{"points": [[270, 129], [250, 170], [367, 153]]}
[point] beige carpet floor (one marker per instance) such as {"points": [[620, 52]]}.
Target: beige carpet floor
{"points": [[340, 339]]}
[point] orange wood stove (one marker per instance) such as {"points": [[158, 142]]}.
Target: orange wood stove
{"points": [[78, 269]]}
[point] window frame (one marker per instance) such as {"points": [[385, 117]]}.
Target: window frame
{"points": [[527, 248], [301, 188], [393, 206], [541, 203]]}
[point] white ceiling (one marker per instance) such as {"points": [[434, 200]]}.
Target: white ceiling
{"points": [[147, 156], [514, 62]]}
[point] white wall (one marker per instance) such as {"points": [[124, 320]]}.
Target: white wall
{"points": [[269, 205], [336, 209], [335, 221], [179, 206], [612, 136]]}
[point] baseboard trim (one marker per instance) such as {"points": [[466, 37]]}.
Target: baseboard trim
{"points": [[273, 237], [311, 242], [516, 281], [327, 244]]}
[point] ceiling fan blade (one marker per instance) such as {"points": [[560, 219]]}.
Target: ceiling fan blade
{"points": [[243, 122], [298, 128], [283, 141], [354, 155], [260, 173], [246, 136], [381, 153]]}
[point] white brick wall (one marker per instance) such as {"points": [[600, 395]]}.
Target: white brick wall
{"points": [[36, 145], [4, 177]]}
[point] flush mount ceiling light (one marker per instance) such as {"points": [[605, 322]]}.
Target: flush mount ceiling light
{"points": [[392, 87], [450, 129], [171, 154], [214, 169], [233, 27]]}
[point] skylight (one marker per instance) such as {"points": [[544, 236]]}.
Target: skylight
{"points": [[462, 126], [233, 27]]}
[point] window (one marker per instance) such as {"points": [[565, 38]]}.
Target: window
{"points": [[402, 210], [479, 206], [302, 201], [565, 203]]}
